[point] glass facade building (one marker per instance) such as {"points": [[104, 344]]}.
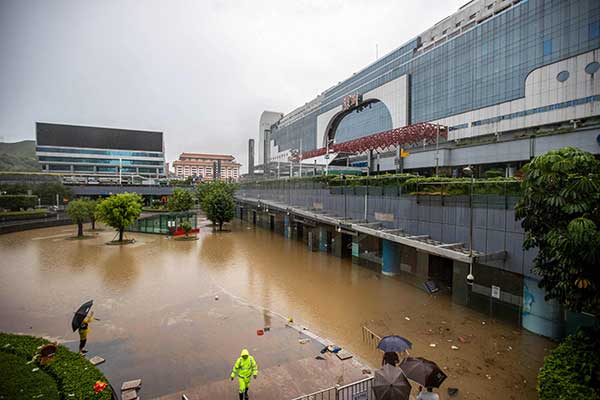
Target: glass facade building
{"points": [[458, 72], [105, 153]]}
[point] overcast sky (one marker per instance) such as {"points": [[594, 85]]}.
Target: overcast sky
{"points": [[200, 71]]}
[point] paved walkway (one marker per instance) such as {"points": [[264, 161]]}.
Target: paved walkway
{"points": [[283, 381]]}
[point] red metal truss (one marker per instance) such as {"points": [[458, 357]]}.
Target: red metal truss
{"points": [[410, 134]]}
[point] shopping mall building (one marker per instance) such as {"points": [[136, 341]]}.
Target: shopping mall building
{"points": [[509, 79]]}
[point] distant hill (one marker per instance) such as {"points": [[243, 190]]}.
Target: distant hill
{"points": [[19, 156]]}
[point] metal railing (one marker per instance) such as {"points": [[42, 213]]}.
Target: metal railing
{"points": [[370, 338], [360, 390]]}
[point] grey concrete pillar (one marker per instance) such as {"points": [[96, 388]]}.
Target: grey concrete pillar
{"points": [[422, 264]]}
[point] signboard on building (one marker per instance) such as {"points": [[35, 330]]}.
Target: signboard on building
{"points": [[496, 292], [352, 100]]}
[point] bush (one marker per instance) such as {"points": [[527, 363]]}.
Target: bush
{"points": [[16, 202], [572, 370], [75, 376], [18, 380]]}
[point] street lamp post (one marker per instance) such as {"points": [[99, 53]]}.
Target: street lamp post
{"points": [[469, 172]]}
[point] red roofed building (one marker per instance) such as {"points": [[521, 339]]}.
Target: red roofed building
{"points": [[207, 166]]}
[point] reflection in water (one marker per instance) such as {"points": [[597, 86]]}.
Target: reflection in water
{"points": [[160, 318], [120, 268]]}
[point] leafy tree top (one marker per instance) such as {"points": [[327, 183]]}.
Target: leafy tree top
{"points": [[119, 210], [560, 212], [219, 206], [78, 210], [180, 200]]}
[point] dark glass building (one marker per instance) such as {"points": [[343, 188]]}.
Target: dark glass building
{"points": [[102, 152]]}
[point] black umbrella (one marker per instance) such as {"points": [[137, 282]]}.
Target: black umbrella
{"points": [[394, 344], [391, 384], [80, 314], [424, 372]]}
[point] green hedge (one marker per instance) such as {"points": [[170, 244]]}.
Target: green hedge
{"points": [[572, 370], [15, 202], [20, 380], [408, 182], [75, 376]]}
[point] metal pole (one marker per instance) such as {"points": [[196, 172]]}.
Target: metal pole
{"points": [[471, 223], [437, 150], [300, 166], [120, 171]]}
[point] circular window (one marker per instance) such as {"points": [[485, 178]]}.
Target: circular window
{"points": [[592, 67], [562, 76]]}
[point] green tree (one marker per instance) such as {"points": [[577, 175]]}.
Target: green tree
{"points": [[180, 200], [92, 205], [186, 227], [204, 188], [119, 211], [47, 192], [79, 212], [219, 206], [560, 212]]}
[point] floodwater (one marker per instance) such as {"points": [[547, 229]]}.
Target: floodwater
{"points": [[159, 318]]}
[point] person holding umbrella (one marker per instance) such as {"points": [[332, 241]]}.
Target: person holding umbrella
{"points": [[426, 373], [391, 345], [84, 329], [81, 322], [391, 358], [428, 395]]}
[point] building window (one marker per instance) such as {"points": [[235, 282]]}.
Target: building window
{"points": [[547, 47], [60, 168], [594, 30], [562, 76], [592, 67]]}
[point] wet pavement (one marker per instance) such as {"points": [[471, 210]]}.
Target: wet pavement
{"points": [[160, 320]]}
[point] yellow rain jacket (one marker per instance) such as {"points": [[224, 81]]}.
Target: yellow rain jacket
{"points": [[85, 328], [244, 368]]}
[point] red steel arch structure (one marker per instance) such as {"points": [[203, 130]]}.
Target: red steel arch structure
{"points": [[410, 134]]}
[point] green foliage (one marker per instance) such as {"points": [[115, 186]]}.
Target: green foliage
{"points": [[180, 200], [18, 380], [560, 211], [119, 211], [218, 205], [79, 212], [16, 202], [408, 183], [186, 226], [74, 375], [17, 188], [47, 192], [19, 156], [29, 213], [205, 188], [572, 370]]}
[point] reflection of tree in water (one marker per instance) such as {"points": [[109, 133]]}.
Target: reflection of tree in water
{"points": [[120, 270], [218, 248]]}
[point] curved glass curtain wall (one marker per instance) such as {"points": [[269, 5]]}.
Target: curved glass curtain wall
{"points": [[365, 120]]}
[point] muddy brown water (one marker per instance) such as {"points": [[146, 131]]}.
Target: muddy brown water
{"points": [[160, 319]]}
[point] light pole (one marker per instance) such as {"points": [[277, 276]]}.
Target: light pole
{"points": [[469, 172]]}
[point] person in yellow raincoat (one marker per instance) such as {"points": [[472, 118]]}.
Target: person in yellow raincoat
{"points": [[84, 329], [244, 368]]}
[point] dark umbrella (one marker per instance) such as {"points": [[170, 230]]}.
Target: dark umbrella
{"points": [[424, 372], [394, 344], [390, 384], [80, 315]]}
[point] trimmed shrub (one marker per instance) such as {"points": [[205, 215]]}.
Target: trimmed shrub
{"points": [[75, 376], [572, 370], [15, 202]]}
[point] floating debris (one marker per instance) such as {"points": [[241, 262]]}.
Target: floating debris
{"points": [[454, 347], [432, 345], [303, 341]]}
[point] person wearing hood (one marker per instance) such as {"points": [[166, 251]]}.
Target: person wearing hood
{"points": [[244, 368]]}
